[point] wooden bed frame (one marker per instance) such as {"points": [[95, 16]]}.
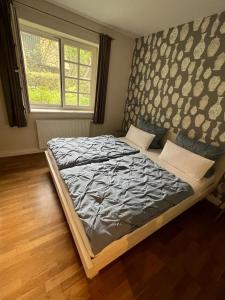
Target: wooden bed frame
{"points": [[92, 265]]}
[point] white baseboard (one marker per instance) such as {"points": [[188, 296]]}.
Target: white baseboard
{"points": [[20, 152]]}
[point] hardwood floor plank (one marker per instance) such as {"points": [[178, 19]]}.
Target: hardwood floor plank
{"points": [[38, 259]]}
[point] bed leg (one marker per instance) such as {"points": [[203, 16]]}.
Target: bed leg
{"points": [[91, 273]]}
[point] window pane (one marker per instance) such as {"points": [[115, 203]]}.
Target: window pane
{"points": [[85, 57], [84, 100], [42, 66], [85, 86], [85, 72], [71, 69], [71, 53], [70, 98], [71, 85]]}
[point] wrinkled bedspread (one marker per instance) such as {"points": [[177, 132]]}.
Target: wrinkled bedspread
{"points": [[115, 197], [69, 152]]}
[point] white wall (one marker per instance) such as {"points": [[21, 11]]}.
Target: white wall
{"points": [[24, 140]]}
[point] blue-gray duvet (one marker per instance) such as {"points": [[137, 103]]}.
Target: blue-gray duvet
{"points": [[115, 197], [70, 152]]}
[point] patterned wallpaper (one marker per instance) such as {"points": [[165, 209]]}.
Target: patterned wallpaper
{"points": [[178, 79]]}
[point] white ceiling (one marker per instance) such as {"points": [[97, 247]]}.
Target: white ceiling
{"points": [[141, 17]]}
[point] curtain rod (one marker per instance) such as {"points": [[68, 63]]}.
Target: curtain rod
{"points": [[59, 18]]}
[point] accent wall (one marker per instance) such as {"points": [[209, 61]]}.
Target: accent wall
{"points": [[177, 79]]}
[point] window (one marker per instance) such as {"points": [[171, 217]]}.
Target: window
{"points": [[60, 73]]}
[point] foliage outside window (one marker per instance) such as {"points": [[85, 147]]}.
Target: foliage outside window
{"points": [[60, 73]]}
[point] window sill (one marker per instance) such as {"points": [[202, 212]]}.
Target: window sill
{"points": [[60, 111]]}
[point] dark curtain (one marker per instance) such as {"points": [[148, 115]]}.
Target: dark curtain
{"points": [[102, 78], [9, 67]]}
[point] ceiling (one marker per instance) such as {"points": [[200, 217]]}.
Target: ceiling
{"points": [[141, 17]]}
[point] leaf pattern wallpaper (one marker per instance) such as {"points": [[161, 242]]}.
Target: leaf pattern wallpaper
{"points": [[177, 80]]}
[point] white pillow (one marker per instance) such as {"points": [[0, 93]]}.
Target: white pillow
{"points": [[139, 137], [186, 161]]}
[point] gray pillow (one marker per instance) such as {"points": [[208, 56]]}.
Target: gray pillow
{"points": [[207, 151], [158, 131]]}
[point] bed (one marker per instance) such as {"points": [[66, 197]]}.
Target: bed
{"points": [[94, 261]]}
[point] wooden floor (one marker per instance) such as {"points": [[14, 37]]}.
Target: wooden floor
{"points": [[38, 260]]}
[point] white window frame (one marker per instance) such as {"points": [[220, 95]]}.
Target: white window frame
{"points": [[66, 41]]}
